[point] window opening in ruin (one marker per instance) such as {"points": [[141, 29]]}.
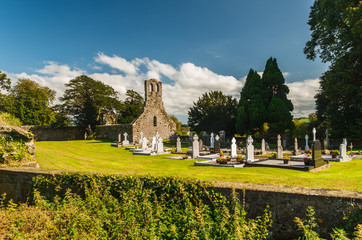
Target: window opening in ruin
{"points": [[157, 88], [155, 121], [151, 87]]}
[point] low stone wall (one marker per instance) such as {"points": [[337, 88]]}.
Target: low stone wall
{"points": [[111, 132], [285, 202], [46, 133]]}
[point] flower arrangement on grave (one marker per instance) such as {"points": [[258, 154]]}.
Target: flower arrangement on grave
{"points": [[212, 150], [334, 153], [185, 157], [274, 155], [221, 160], [286, 160], [307, 161], [308, 151], [221, 154], [240, 159]]}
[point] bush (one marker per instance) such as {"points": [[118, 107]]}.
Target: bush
{"points": [[13, 152], [129, 207], [8, 119]]}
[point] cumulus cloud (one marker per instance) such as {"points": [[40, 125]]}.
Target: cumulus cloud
{"points": [[182, 85], [302, 95]]}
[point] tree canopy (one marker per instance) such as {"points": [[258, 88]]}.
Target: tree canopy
{"points": [[29, 102], [86, 99], [4, 82], [253, 102], [213, 112], [131, 108], [337, 38]]}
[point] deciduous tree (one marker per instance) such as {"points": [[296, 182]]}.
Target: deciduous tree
{"points": [[131, 108]]}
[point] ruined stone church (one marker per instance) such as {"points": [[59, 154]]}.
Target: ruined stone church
{"points": [[154, 117]]}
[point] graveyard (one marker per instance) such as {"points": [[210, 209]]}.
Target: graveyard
{"points": [[98, 156]]}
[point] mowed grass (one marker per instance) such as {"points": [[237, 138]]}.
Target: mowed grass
{"points": [[99, 156]]}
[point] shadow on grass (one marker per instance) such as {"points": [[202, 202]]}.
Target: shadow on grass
{"points": [[99, 141]]}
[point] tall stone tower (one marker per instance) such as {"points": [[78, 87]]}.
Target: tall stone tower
{"points": [[154, 117]]}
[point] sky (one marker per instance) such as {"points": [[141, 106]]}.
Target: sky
{"points": [[192, 46]]}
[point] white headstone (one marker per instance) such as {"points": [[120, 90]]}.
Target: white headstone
{"points": [[249, 149], [178, 145], [343, 150], [159, 145], [141, 138], [125, 141], [153, 147], [263, 146], [295, 146], [195, 147], [212, 140], [233, 148], [119, 137], [314, 132], [279, 148], [306, 143], [144, 143]]}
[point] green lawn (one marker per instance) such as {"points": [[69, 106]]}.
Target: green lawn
{"points": [[99, 156]]}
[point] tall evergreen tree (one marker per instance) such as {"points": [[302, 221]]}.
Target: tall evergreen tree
{"points": [[279, 107], [252, 105], [132, 107]]}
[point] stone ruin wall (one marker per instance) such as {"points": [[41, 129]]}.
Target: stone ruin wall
{"points": [[154, 117], [110, 132]]}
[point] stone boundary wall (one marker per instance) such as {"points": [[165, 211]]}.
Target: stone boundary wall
{"points": [[110, 132], [46, 133], [285, 202]]}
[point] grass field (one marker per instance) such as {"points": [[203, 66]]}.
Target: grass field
{"points": [[99, 156]]}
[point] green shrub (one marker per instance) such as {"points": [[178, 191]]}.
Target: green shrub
{"points": [[128, 207], [13, 151], [8, 119], [222, 160]]}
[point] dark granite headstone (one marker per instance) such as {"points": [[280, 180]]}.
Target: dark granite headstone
{"points": [[217, 146], [317, 159]]}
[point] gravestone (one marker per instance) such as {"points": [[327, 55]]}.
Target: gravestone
{"points": [[144, 143], [222, 138], [154, 141], [125, 142], [267, 146], [217, 144], [178, 145], [195, 147], [306, 143], [201, 145], [325, 144], [85, 136], [279, 148], [314, 132], [212, 140], [190, 140], [343, 150], [249, 149], [141, 138], [263, 146], [317, 159], [205, 139], [119, 138], [296, 152], [233, 148], [159, 145], [284, 143]]}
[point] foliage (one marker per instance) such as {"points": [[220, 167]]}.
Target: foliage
{"points": [[300, 130], [337, 38], [222, 160], [252, 112], [178, 125], [126, 207], [61, 117], [86, 99], [29, 102], [8, 119], [213, 112], [4, 82], [309, 226], [279, 107], [13, 152], [131, 108]]}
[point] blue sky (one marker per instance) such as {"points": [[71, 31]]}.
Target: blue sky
{"points": [[192, 46]]}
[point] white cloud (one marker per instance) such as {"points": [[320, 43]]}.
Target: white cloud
{"points": [[302, 95], [181, 86]]}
